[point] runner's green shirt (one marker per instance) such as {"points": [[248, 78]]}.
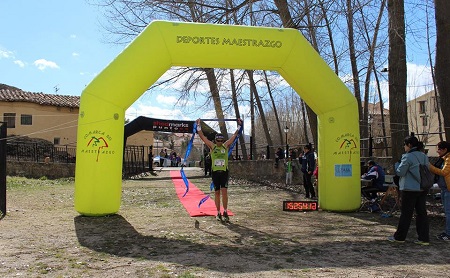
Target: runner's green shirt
{"points": [[219, 157]]}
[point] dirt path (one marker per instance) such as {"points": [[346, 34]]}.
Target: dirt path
{"points": [[153, 236]]}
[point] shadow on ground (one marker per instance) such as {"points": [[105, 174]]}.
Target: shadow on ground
{"points": [[268, 251]]}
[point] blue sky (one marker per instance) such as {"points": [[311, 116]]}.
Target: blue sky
{"points": [[58, 46], [51, 43]]}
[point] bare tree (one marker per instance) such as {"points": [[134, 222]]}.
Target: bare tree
{"points": [[236, 109], [433, 76], [353, 60], [371, 47], [442, 15], [274, 107], [288, 22], [397, 76]]}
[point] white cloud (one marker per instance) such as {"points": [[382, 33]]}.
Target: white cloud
{"points": [[42, 64], [20, 63], [166, 100], [75, 54], [420, 80], [73, 36], [171, 101], [180, 81], [148, 110], [6, 54]]}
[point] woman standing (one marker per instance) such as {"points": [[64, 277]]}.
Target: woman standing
{"points": [[442, 170], [412, 196]]}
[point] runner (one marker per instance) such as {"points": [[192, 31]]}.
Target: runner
{"points": [[219, 157]]}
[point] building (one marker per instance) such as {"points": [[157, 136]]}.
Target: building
{"points": [[380, 138], [424, 119], [38, 115], [51, 117]]}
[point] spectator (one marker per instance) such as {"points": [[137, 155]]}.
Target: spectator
{"points": [[278, 155], [162, 155], [442, 171], [377, 176], [316, 177], [413, 198], [308, 166]]}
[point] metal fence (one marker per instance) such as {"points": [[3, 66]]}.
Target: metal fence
{"points": [[36, 152]]}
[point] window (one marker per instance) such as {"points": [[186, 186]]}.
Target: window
{"points": [[56, 140], [26, 119], [424, 120], [10, 119], [422, 106]]}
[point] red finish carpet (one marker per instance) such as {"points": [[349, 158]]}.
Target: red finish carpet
{"points": [[193, 197]]}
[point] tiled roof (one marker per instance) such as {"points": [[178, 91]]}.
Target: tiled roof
{"points": [[13, 94]]}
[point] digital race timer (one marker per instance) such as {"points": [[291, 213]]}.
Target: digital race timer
{"points": [[300, 205]]}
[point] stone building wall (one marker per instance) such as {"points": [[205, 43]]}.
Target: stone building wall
{"points": [[37, 170]]}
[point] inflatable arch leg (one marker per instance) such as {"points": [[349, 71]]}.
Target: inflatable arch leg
{"points": [[165, 44]]}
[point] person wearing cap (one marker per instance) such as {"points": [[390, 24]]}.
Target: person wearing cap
{"points": [[219, 166], [377, 176]]}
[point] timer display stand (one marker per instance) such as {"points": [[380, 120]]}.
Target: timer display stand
{"points": [[300, 205]]}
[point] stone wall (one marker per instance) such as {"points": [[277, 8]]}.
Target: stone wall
{"points": [[37, 170], [253, 170], [261, 170]]}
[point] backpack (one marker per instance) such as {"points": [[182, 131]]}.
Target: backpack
{"points": [[426, 177]]}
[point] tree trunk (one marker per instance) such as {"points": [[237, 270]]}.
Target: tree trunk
{"points": [[442, 15], [286, 19], [260, 107], [303, 107], [236, 110], [355, 72], [397, 77], [371, 46], [275, 111], [330, 36], [212, 81]]}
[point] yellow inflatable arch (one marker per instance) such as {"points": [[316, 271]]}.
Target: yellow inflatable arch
{"points": [[163, 44]]}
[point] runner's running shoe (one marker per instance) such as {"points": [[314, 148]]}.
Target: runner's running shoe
{"points": [[219, 217], [392, 239], [225, 216]]}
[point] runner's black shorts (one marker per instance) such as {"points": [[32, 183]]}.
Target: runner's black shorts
{"points": [[220, 179]]}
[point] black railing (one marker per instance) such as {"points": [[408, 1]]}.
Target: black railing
{"points": [[137, 160], [36, 152]]}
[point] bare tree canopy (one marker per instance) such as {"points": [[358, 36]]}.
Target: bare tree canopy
{"points": [[356, 38]]}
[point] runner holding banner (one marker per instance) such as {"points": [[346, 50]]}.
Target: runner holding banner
{"points": [[220, 151]]}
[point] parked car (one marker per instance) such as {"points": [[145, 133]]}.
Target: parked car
{"points": [[157, 161]]}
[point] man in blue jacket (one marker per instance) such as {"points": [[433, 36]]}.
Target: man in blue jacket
{"points": [[377, 176]]}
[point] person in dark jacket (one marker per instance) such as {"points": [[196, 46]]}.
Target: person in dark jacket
{"points": [[377, 176], [308, 166], [279, 155]]}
